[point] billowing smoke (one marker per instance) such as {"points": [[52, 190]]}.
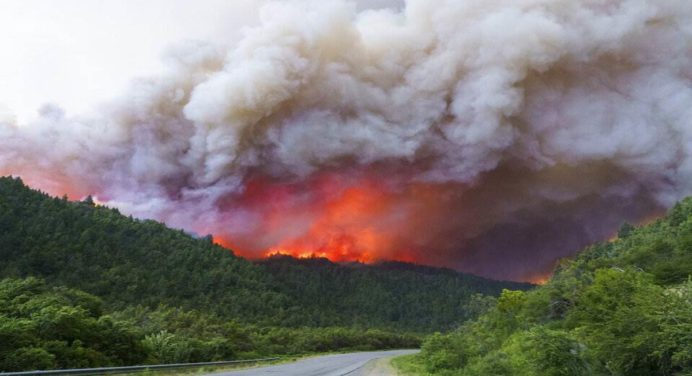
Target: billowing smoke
{"points": [[492, 136]]}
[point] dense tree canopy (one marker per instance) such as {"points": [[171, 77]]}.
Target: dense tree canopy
{"points": [[49, 327]]}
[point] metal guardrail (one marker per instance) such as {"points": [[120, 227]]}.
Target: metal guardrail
{"points": [[128, 369]]}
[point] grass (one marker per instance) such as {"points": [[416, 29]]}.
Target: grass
{"points": [[408, 365]]}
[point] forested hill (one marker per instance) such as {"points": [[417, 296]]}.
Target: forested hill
{"points": [[405, 296], [622, 307], [129, 262]]}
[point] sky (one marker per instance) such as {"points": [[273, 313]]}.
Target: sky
{"points": [[77, 53]]}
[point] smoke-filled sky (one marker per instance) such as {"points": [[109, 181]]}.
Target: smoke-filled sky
{"points": [[491, 136]]}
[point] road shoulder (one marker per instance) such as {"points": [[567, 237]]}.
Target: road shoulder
{"points": [[377, 367]]}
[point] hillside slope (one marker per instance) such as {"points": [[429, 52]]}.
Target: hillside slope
{"points": [[622, 307], [129, 262]]}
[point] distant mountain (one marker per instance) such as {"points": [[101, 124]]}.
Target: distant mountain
{"points": [[129, 262]]}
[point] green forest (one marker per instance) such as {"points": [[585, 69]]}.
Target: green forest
{"points": [[84, 286], [622, 307]]}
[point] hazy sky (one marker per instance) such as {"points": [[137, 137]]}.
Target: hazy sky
{"points": [[75, 53]]}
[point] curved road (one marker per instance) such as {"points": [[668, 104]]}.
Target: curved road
{"points": [[352, 364]]}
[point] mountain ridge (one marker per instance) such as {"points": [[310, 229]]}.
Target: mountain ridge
{"points": [[130, 261]]}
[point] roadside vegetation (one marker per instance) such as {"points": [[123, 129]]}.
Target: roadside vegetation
{"points": [[408, 365], [83, 286], [43, 327], [622, 307]]}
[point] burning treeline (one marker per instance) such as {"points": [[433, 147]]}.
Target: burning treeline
{"points": [[492, 136]]}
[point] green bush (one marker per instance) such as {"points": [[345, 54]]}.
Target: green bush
{"points": [[44, 327]]}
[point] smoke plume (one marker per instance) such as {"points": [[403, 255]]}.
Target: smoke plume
{"points": [[491, 136]]}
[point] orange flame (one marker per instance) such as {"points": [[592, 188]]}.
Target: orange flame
{"points": [[358, 220], [342, 233]]}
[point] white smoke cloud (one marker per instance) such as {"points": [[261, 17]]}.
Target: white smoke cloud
{"points": [[534, 109]]}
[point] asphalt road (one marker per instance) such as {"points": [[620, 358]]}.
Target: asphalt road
{"points": [[352, 364]]}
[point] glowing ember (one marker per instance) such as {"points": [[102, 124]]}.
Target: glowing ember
{"points": [[539, 279]]}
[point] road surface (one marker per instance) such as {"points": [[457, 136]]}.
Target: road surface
{"points": [[352, 364]]}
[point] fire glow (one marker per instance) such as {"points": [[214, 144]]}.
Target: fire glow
{"points": [[340, 218]]}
